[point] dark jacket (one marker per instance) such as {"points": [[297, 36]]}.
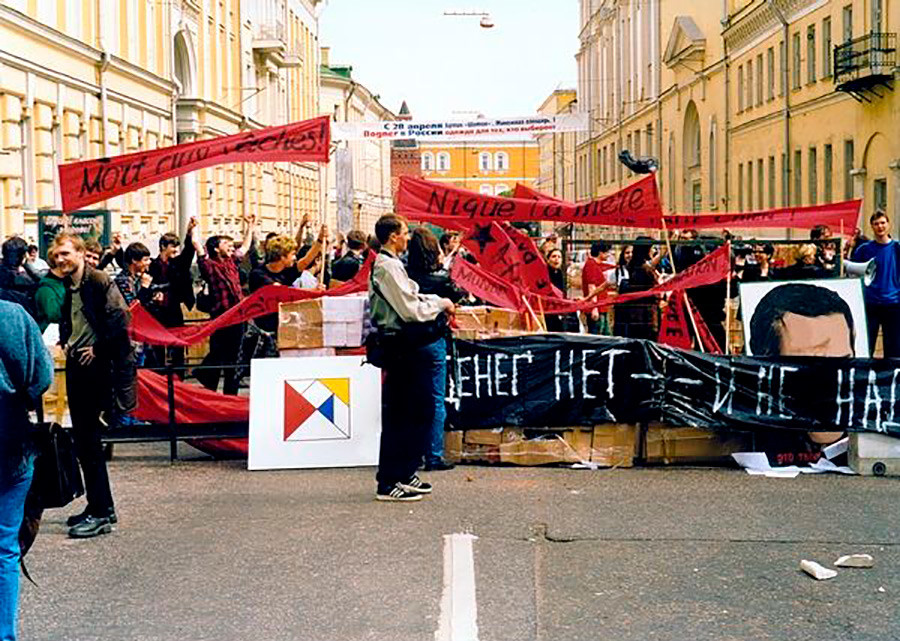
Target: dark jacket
{"points": [[177, 275], [348, 265], [25, 373], [437, 283], [18, 287], [108, 316]]}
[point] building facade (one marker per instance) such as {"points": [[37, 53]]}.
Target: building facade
{"points": [[754, 105], [345, 100], [488, 167], [557, 150], [82, 80]]}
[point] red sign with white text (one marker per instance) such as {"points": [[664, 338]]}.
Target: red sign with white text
{"points": [[90, 181]]}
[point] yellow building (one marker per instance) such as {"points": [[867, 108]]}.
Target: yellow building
{"points": [[557, 150], [740, 101], [96, 78], [488, 167]]}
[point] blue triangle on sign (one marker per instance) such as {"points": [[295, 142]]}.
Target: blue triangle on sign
{"points": [[327, 408]]}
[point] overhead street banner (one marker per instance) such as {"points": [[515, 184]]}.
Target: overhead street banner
{"points": [[90, 181], [459, 129]]}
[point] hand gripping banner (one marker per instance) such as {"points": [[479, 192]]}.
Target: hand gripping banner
{"points": [[86, 182]]}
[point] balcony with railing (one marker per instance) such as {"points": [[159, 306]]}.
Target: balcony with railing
{"points": [[865, 64], [270, 38]]}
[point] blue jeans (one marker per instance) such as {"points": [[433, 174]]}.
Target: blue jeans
{"points": [[437, 367], [12, 503]]}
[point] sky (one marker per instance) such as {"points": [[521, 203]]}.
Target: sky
{"points": [[446, 66]]}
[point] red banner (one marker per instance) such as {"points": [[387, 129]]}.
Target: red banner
{"points": [[498, 291], [146, 329], [86, 182], [635, 206], [844, 214], [673, 330], [508, 253], [709, 342]]}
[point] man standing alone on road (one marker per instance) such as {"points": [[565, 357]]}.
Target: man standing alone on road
{"points": [[410, 322], [883, 295], [99, 369]]}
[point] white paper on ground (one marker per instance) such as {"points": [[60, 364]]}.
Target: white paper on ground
{"points": [[757, 464]]}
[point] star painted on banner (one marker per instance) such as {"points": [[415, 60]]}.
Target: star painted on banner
{"points": [[483, 236]]}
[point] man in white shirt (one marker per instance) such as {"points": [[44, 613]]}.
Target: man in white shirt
{"points": [[414, 323]]}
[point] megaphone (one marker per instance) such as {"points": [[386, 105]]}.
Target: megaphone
{"points": [[866, 270]]}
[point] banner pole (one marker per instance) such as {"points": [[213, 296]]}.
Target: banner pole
{"points": [[728, 306], [535, 316], [841, 253], [690, 313], [665, 233]]}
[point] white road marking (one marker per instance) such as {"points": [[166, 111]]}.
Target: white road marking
{"points": [[459, 612]]}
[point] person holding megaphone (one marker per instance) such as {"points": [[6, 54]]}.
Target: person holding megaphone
{"points": [[882, 295]]}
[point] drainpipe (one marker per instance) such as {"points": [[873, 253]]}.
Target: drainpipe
{"points": [[785, 78], [727, 124]]}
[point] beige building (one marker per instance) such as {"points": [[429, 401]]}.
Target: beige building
{"points": [[747, 104], [557, 150], [369, 193], [96, 78]]}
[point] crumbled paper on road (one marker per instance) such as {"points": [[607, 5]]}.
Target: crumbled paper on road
{"points": [[855, 561], [757, 463], [816, 571]]}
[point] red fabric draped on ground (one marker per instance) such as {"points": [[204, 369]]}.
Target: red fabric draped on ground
{"points": [[146, 329]]}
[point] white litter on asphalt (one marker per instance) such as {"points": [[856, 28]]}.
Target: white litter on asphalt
{"points": [[855, 561], [459, 611], [757, 464], [816, 571]]}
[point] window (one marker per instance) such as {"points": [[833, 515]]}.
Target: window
{"points": [[879, 194], [785, 183], [649, 146], [713, 167], [73, 18], [637, 143], [750, 185], [484, 161], [770, 62], [782, 68], [46, 12], [811, 53], [813, 176], [501, 161], [798, 177], [740, 88], [761, 182], [826, 48], [848, 169], [847, 26], [771, 182], [629, 147], [487, 190], [749, 84], [427, 161], [443, 161], [828, 171], [795, 72], [759, 79], [740, 189]]}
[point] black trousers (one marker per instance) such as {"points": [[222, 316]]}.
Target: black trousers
{"points": [[224, 346], [169, 317], [407, 412], [89, 390], [887, 317]]}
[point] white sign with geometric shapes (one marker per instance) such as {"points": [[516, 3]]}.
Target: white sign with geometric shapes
{"points": [[314, 412]]}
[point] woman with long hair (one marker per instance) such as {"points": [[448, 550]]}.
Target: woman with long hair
{"points": [[637, 318]]}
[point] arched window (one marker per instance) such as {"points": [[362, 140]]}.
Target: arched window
{"points": [[501, 161], [484, 161], [443, 161], [713, 166], [427, 161], [487, 190]]}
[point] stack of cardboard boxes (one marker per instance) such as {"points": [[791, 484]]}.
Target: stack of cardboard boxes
{"points": [[328, 322], [485, 322]]}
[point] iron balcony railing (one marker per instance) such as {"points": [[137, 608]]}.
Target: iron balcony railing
{"points": [[873, 54]]}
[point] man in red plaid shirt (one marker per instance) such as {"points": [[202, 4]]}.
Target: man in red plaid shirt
{"points": [[218, 264]]}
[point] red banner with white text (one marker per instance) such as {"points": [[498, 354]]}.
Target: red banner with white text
{"points": [[635, 206], [90, 181]]}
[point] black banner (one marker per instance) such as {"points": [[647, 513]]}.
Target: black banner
{"points": [[570, 380]]}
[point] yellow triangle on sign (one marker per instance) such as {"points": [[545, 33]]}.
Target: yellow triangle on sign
{"points": [[340, 387]]}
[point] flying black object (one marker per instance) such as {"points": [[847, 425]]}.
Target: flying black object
{"points": [[642, 165]]}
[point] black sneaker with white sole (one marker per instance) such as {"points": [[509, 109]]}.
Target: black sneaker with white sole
{"points": [[396, 493], [416, 485]]}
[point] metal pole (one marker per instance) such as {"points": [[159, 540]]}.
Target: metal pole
{"points": [[170, 395]]}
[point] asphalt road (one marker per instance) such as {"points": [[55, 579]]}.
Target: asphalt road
{"points": [[208, 551]]}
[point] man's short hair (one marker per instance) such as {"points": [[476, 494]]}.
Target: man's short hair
{"points": [[447, 238], [136, 251], [168, 240], [796, 298], [879, 213], [279, 247], [14, 251], [212, 244], [356, 240], [819, 231], [599, 247], [90, 245], [33, 248], [387, 225], [78, 243]]}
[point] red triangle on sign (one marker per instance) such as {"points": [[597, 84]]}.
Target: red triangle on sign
{"points": [[296, 410]]}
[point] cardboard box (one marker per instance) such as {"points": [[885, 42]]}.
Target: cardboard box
{"points": [[503, 319], [614, 445], [681, 445], [305, 353], [332, 321], [484, 437], [453, 446], [579, 442], [542, 451], [488, 319], [476, 453]]}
